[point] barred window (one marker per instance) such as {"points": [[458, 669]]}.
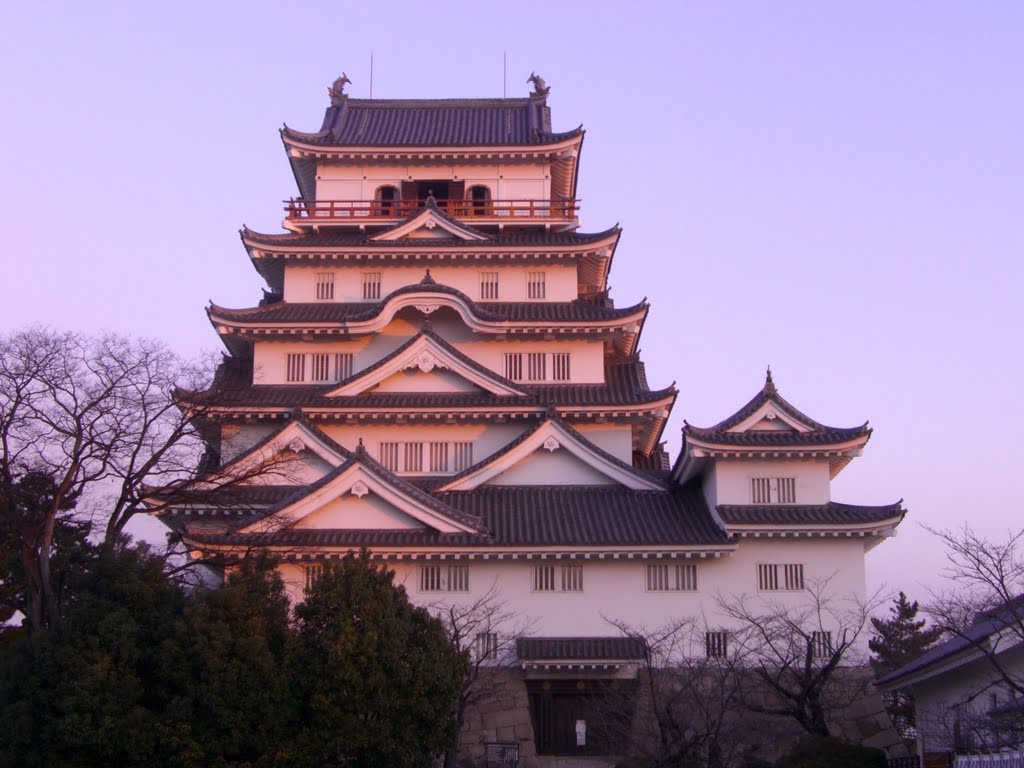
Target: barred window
{"points": [[311, 573], [543, 578], [821, 645], [716, 644], [342, 365], [439, 457], [321, 367], [671, 577], [296, 368], [567, 577], [572, 578], [773, 490], [774, 577], [414, 457], [485, 646], [560, 366], [537, 366], [535, 288], [324, 286], [514, 366], [488, 285], [371, 285], [387, 455], [463, 455], [444, 577]]}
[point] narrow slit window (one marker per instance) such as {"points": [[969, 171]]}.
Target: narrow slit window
{"points": [[296, 368], [342, 365], [414, 457], [488, 285], [324, 286], [371, 285], [387, 455], [535, 288], [560, 366], [321, 367], [514, 366], [439, 457], [536, 366], [463, 456]]}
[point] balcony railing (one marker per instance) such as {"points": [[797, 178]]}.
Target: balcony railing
{"points": [[499, 210]]}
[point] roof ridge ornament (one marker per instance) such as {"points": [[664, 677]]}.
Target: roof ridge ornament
{"points": [[427, 279], [540, 88], [769, 384], [337, 90]]}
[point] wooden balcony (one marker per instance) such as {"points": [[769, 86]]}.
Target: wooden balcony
{"points": [[341, 212]]}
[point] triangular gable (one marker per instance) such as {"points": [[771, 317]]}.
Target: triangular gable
{"points": [[431, 223], [773, 416], [277, 459], [553, 435], [359, 494], [426, 353]]}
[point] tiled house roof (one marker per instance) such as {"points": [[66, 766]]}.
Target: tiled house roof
{"points": [[832, 513]]}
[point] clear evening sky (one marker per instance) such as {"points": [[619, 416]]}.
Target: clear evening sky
{"points": [[835, 189]]}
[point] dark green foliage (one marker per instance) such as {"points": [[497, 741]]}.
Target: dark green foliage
{"points": [[828, 752], [895, 641], [376, 678]]}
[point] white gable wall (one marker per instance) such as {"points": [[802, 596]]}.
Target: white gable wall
{"points": [[368, 512], [732, 479], [558, 467]]}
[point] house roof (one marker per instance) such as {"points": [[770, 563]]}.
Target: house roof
{"points": [[580, 648], [832, 513], [434, 122], [985, 624]]}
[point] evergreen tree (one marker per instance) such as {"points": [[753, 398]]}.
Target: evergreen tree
{"points": [[895, 641]]}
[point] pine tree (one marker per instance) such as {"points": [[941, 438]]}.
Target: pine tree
{"points": [[898, 640]]}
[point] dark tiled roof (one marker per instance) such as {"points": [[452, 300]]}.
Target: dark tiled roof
{"points": [[430, 122], [494, 311], [820, 434], [1010, 613], [832, 513], [535, 516], [579, 648], [334, 239]]}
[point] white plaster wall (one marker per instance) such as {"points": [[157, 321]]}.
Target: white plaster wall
{"points": [[235, 439], [616, 439], [486, 438], [368, 512], [560, 280], [543, 467], [616, 589], [732, 479], [505, 180], [415, 380]]}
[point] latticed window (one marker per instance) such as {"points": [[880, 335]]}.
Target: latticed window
{"points": [[514, 366], [414, 457], [567, 577], [387, 455], [439, 457], [462, 453], [324, 286], [295, 368], [560, 366], [535, 288], [716, 645], [485, 646], [821, 645], [321, 367], [311, 573], [488, 285], [773, 577], [371, 285], [444, 577], [537, 369], [342, 365], [773, 490], [671, 577]]}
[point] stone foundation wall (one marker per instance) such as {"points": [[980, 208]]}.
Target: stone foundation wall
{"points": [[499, 711]]}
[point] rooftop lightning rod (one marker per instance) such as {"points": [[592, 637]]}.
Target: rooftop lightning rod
{"points": [[504, 74], [371, 74]]}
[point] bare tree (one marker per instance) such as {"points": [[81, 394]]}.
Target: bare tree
{"points": [[97, 416], [797, 649]]}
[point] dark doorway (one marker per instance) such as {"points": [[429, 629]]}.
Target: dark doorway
{"points": [[597, 712]]}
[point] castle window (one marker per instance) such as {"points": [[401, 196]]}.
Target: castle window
{"points": [[324, 286], [558, 578], [676, 577], [560, 366], [387, 455], [535, 288], [295, 368], [321, 367], [414, 457], [514, 366], [821, 645], [536, 366], [773, 490], [716, 644], [777, 577], [480, 200], [371, 285], [485, 646], [311, 574], [444, 577], [488, 285], [342, 365], [385, 201], [439, 457], [463, 455]]}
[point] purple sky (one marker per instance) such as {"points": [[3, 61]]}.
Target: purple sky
{"points": [[834, 189]]}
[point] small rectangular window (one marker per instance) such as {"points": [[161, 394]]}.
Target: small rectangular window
{"points": [[296, 368], [439, 457], [449, 577], [371, 285], [414, 457], [560, 366], [463, 455], [485, 646], [543, 578], [514, 366], [821, 645], [716, 644], [387, 455], [567, 577], [774, 577], [536, 366], [324, 286], [342, 365], [311, 573], [535, 288], [676, 577], [773, 490], [321, 367], [488, 285], [572, 577]]}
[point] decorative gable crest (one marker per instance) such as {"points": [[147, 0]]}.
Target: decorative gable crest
{"points": [[430, 222]]}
